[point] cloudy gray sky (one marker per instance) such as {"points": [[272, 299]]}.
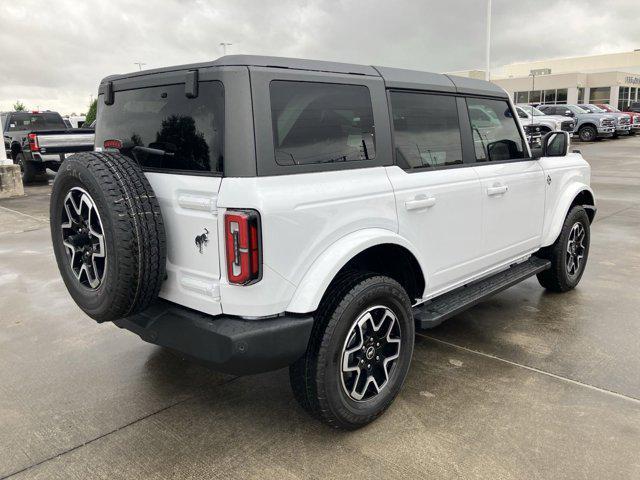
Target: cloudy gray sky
{"points": [[54, 53]]}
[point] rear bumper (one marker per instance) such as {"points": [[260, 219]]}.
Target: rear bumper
{"points": [[228, 344], [54, 157]]}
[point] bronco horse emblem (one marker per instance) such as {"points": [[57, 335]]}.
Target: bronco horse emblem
{"points": [[202, 240]]}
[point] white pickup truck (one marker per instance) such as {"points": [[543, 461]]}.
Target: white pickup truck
{"points": [[260, 212]]}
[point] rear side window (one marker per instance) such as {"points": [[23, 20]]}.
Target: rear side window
{"points": [[23, 121], [495, 133], [426, 130], [164, 130], [321, 122]]}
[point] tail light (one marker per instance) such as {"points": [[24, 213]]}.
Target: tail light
{"points": [[33, 142], [244, 250], [117, 144]]}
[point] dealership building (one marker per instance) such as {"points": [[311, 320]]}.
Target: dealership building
{"points": [[610, 78]]}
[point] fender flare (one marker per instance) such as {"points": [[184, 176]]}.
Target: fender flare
{"points": [[324, 269], [561, 211]]}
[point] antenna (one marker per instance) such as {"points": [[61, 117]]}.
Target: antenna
{"points": [[140, 64], [224, 46]]}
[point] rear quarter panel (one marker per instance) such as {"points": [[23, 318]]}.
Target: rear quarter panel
{"points": [[302, 216]]}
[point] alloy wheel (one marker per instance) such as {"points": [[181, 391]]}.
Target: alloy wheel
{"points": [[575, 250], [83, 238], [370, 353]]}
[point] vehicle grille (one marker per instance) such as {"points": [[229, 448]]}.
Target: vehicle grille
{"points": [[608, 122], [636, 119], [625, 120], [567, 126]]}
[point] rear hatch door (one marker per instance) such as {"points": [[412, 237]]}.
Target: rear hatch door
{"points": [[178, 141]]}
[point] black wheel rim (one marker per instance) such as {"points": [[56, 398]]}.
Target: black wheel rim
{"points": [[83, 238], [576, 249], [370, 353]]}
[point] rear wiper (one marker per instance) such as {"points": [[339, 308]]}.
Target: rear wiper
{"points": [[153, 151]]}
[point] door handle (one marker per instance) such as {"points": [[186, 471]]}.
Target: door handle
{"points": [[497, 190], [420, 202]]}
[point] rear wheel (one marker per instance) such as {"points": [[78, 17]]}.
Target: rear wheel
{"points": [[359, 352], [568, 254], [587, 134], [31, 171]]}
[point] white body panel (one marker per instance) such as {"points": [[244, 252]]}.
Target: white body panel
{"points": [[188, 205], [513, 198], [302, 216], [440, 212], [569, 175], [313, 224]]}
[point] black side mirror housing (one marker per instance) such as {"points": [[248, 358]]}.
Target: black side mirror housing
{"points": [[553, 144]]}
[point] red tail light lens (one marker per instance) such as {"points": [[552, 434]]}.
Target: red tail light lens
{"points": [[243, 244], [33, 142], [117, 144]]}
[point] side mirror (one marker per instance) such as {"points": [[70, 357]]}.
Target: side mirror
{"points": [[568, 113], [553, 144]]}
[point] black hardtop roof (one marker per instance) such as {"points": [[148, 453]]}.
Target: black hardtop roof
{"points": [[393, 77]]}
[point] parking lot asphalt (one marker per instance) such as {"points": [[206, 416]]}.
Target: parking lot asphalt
{"points": [[526, 385]]}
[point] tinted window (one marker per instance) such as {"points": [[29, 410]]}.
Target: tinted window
{"points": [[495, 133], [321, 123], [426, 130], [33, 122], [163, 129]]}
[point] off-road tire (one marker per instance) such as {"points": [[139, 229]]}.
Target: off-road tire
{"points": [[316, 377], [556, 278], [133, 229], [31, 171], [588, 134]]}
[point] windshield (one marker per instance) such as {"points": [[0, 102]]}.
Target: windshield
{"points": [[610, 108], [34, 122], [533, 111], [521, 112], [596, 109], [576, 109]]}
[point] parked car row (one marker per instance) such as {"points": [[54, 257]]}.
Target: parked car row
{"points": [[587, 121], [40, 140]]}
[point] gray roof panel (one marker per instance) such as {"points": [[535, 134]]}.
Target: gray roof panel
{"points": [[473, 86], [393, 77], [415, 80]]}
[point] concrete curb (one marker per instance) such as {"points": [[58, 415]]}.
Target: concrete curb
{"points": [[10, 181]]}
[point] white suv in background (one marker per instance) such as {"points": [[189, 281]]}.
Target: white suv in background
{"points": [[260, 212]]}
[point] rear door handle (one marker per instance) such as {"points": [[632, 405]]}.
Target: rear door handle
{"points": [[420, 202], [497, 190]]}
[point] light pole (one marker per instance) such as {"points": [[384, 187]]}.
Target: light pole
{"points": [[488, 46], [140, 64], [224, 46]]}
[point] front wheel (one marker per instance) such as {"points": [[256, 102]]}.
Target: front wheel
{"points": [[359, 352], [587, 134], [569, 253]]}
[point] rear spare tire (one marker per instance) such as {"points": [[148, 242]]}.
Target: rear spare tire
{"points": [[108, 235]]}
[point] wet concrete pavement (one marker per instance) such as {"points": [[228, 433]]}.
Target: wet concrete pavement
{"points": [[525, 385]]}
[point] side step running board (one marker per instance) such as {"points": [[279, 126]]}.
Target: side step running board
{"points": [[435, 312]]}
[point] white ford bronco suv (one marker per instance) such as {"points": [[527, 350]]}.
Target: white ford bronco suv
{"points": [[258, 212]]}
